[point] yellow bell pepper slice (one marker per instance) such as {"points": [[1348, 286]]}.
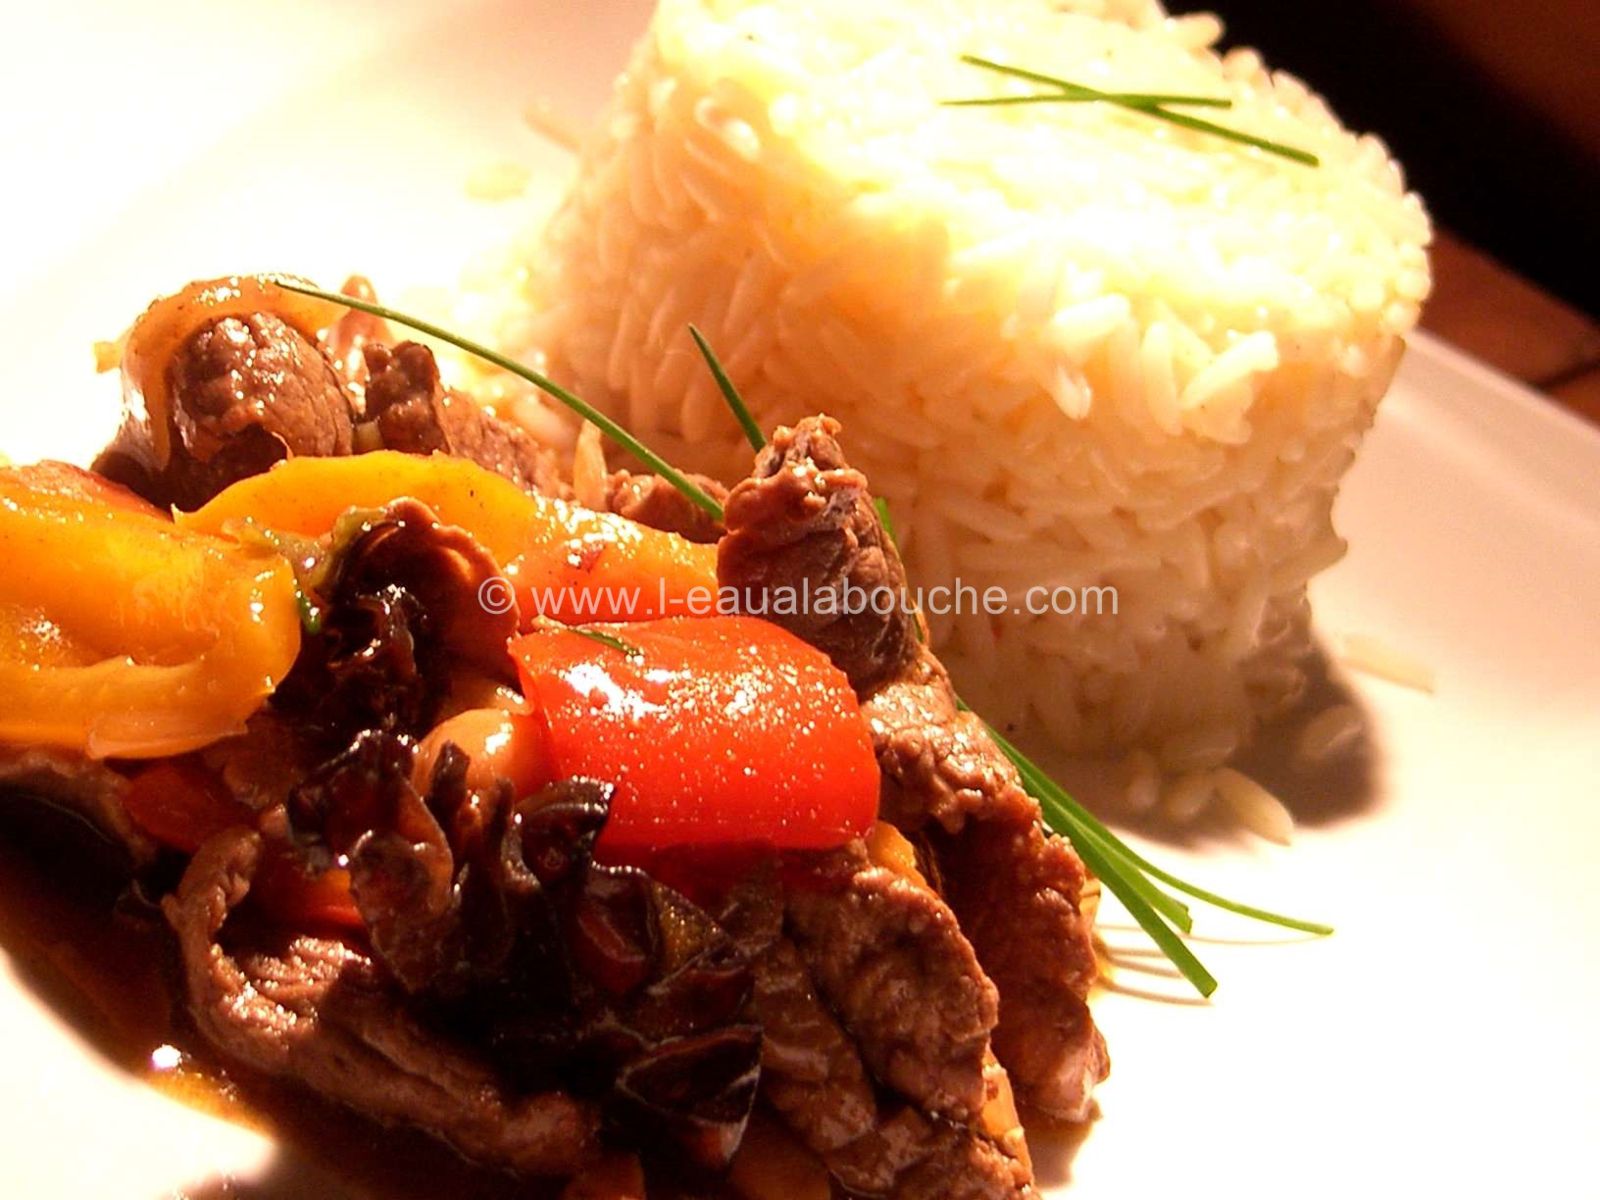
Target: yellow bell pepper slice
{"points": [[566, 562], [123, 635]]}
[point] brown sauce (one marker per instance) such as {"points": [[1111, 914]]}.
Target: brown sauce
{"points": [[106, 962]]}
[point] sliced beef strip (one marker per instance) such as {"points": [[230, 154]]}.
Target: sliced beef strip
{"points": [[939, 764], [891, 962], [1019, 890], [815, 1078], [804, 520], [651, 500], [321, 1012], [804, 517], [256, 371], [246, 391], [416, 413], [90, 790], [1016, 888], [262, 765]]}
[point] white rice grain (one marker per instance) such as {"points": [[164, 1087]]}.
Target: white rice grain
{"points": [[1187, 796], [1374, 656], [1329, 732], [1142, 787], [1257, 809]]}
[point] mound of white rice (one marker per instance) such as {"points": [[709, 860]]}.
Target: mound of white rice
{"points": [[1073, 345]]}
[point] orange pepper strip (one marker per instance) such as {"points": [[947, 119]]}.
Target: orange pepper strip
{"points": [[721, 732], [142, 639], [564, 561]]}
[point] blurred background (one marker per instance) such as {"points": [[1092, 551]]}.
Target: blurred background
{"points": [[1494, 108]]}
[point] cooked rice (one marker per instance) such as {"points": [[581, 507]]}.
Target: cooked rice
{"points": [[1071, 345], [1329, 732], [1257, 809], [589, 470], [1187, 796], [1142, 789], [1373, 656], [545, 119], [494, 182]]}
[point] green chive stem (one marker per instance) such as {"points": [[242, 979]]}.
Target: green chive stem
{"points": [[886, 520], [1247, 139], [1083, 816], [1139, 100], [584, 409], [310, 614], [609, 639], [741, 411], [1222, 902], [1150, 104], [1162, 934], [1082, 91], [1127, 886]]}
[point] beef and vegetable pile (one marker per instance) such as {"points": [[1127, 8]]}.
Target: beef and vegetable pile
{"points": [[538, 827]]}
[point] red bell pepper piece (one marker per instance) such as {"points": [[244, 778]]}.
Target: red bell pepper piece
{"points": [[717, 732], [179, 803]]}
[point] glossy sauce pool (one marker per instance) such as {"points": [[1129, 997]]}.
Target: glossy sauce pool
{"points": [[106, 962]]}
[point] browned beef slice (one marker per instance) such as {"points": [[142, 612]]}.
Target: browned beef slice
{"points": [[651, 500], [892, 964], [256, 372], [804, 521], [815, 1079], [415, 413], [246, 391], [805, 516], [1015, 887], [1018, 891], [937, 761], [91, 790], [319, 1011]]}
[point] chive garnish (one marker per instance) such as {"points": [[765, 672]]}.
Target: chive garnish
{"points": [[741, 411], [1082, 91], [887, 521], [310, 613], [609, 639], [584, 409], [1151, 104], [1124, 99], [1082, 816]]}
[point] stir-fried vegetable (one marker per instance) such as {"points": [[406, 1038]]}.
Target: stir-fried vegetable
{"points": [[126, 635], [718, 732], [562, 561], [180, 804]]}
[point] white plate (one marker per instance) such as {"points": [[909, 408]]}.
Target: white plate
{"points": [[1443, 1042]]}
